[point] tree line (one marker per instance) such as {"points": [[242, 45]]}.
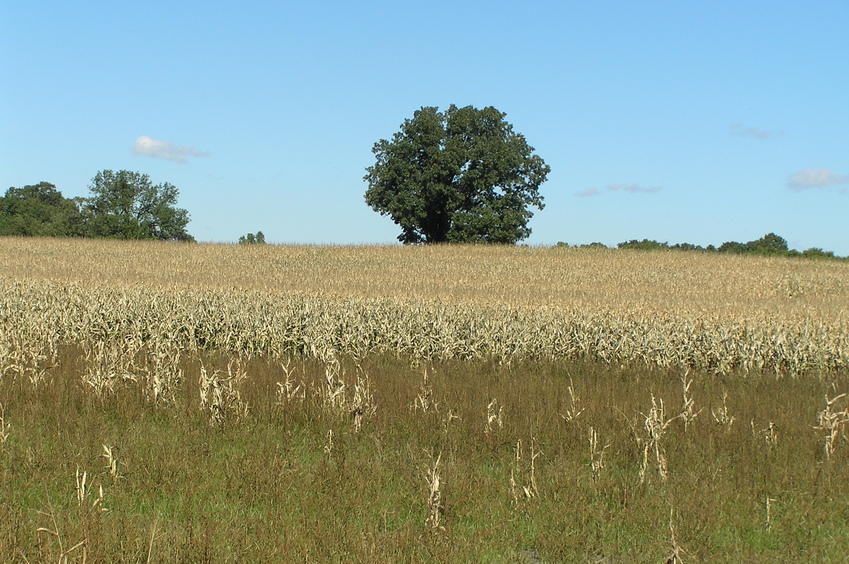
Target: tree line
{"points": [[768, 245], [122, 205]]}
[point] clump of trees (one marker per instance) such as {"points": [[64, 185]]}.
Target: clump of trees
{"points": [[122, 205], [40, 209], [251, 239], [768, 245]]}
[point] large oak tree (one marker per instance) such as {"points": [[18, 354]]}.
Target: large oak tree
{"points": [[462, 175]]}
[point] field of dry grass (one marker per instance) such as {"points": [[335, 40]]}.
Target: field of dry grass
{"points": [[718, 313], [217, 403]]}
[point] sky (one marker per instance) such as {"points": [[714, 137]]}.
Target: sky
{"points": [[678, 121]]}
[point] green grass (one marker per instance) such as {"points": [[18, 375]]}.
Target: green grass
{"points": [[265, 488]]}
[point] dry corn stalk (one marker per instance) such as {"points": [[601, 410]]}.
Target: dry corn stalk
{"points": [[435, 503], [424, 399], [675, 555], [494, 417], [655, 424], [163, 375], [109, 364], [111, 462], [721, 416], [688, 412], [451, 416], [328, 446], [833, 423], [5, 426], [27, 354], [220, 395], [529, 490], [572, 412], [82, 490], [362, 406], [769, 502], [288, 391], [596, 454], [333, 393], [769, 434], [54, 532]]}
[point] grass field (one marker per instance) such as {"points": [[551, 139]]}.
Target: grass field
{"points": [[214, 403]]}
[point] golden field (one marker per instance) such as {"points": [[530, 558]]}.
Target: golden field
{"points": [[707, 311]]}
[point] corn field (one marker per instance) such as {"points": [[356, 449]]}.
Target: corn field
{"points": [[715, 314]]}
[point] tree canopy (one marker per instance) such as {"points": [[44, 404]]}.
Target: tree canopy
{"points": [[462, 175], [126, 205], [39, 209], [123, 205]]}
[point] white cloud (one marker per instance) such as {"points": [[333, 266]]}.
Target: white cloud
{"points": [[741, 130], [144, 145], [633, 188], [630, 188], [588, 193], [815, 178]]}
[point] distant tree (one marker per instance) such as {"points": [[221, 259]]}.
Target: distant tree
{"points": [[733, 247], [817, 253], [39, 209], [644, 245], [461, 175], [688, 247], [251, 239], [126, 205], [769, 244]]}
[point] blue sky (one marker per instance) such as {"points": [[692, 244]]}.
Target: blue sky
{"points": [[679, 121]]}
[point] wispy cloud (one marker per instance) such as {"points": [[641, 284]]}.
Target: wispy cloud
{"points": [[630, 188], [633, 188], [588, 193], [816, 178], [144, 145], [741, 130]]}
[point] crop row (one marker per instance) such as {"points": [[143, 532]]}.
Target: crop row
{"points": [[38, 316]]}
